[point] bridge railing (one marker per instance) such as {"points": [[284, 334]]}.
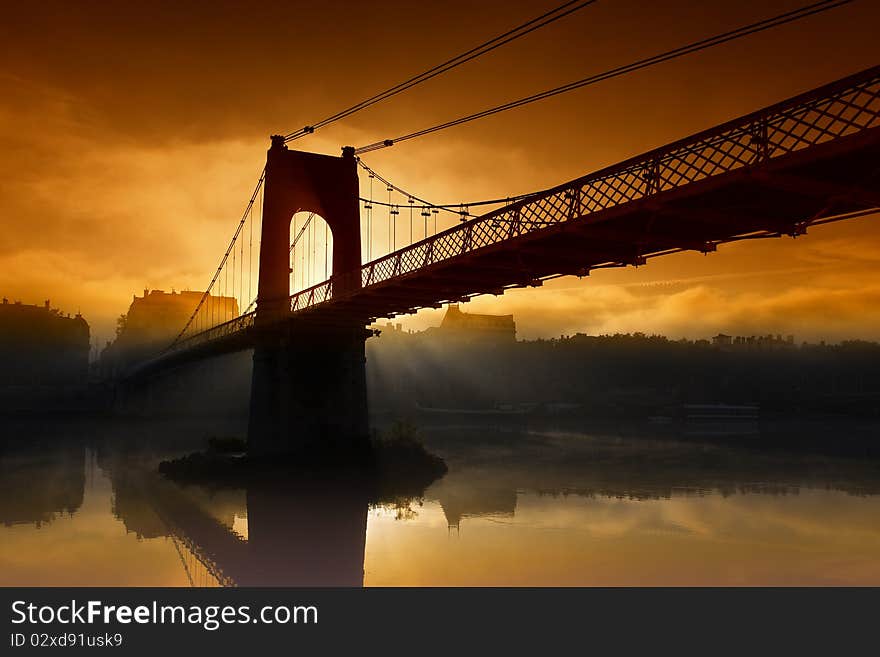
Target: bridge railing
{"points": [[311, 296], [845, 107], [299, 301], [223, 330]]}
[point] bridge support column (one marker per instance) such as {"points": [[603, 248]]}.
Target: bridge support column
{"points": [[309, 394], [308, 391]]}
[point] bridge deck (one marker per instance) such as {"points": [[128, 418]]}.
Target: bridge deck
{"points": [[780, 197]]}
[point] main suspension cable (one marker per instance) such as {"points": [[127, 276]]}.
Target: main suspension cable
{"points": [[694, 47], [536, 23], [225, 257]]}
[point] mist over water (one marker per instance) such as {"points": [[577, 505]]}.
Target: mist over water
{"points": [[522, 504], [584, 460]]}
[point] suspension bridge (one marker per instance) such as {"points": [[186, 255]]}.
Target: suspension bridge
{"points": [[317, 256], [807, 160]]}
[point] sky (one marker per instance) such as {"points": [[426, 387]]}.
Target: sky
{"points": [[132, 135]]}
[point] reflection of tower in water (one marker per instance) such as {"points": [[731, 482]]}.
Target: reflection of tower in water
{"points": [[308, 533]]}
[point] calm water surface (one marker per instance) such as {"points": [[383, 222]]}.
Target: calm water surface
{"points": [[83, 505]]}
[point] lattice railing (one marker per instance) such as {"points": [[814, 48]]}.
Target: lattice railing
{"points": [[311, 296], [215, 332], [843, 108]]}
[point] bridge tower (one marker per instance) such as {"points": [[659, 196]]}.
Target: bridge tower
{"points": [[308, 391]]}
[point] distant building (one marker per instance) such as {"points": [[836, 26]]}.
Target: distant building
{"points": [[39, 346], [457, 326], [476, 502], [155, 319], [470, 326]]}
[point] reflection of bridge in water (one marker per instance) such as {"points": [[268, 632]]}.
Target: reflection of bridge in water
{"points": [[808, 160], [313, 532], [307, 533]]}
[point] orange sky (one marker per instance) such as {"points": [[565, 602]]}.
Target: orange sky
{"points": [[132, 135]]}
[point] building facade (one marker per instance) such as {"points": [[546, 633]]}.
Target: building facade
{"points": [[40, 346]]}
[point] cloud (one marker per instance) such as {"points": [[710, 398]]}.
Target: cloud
{"points": [[89, 219], [697, 311]]}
